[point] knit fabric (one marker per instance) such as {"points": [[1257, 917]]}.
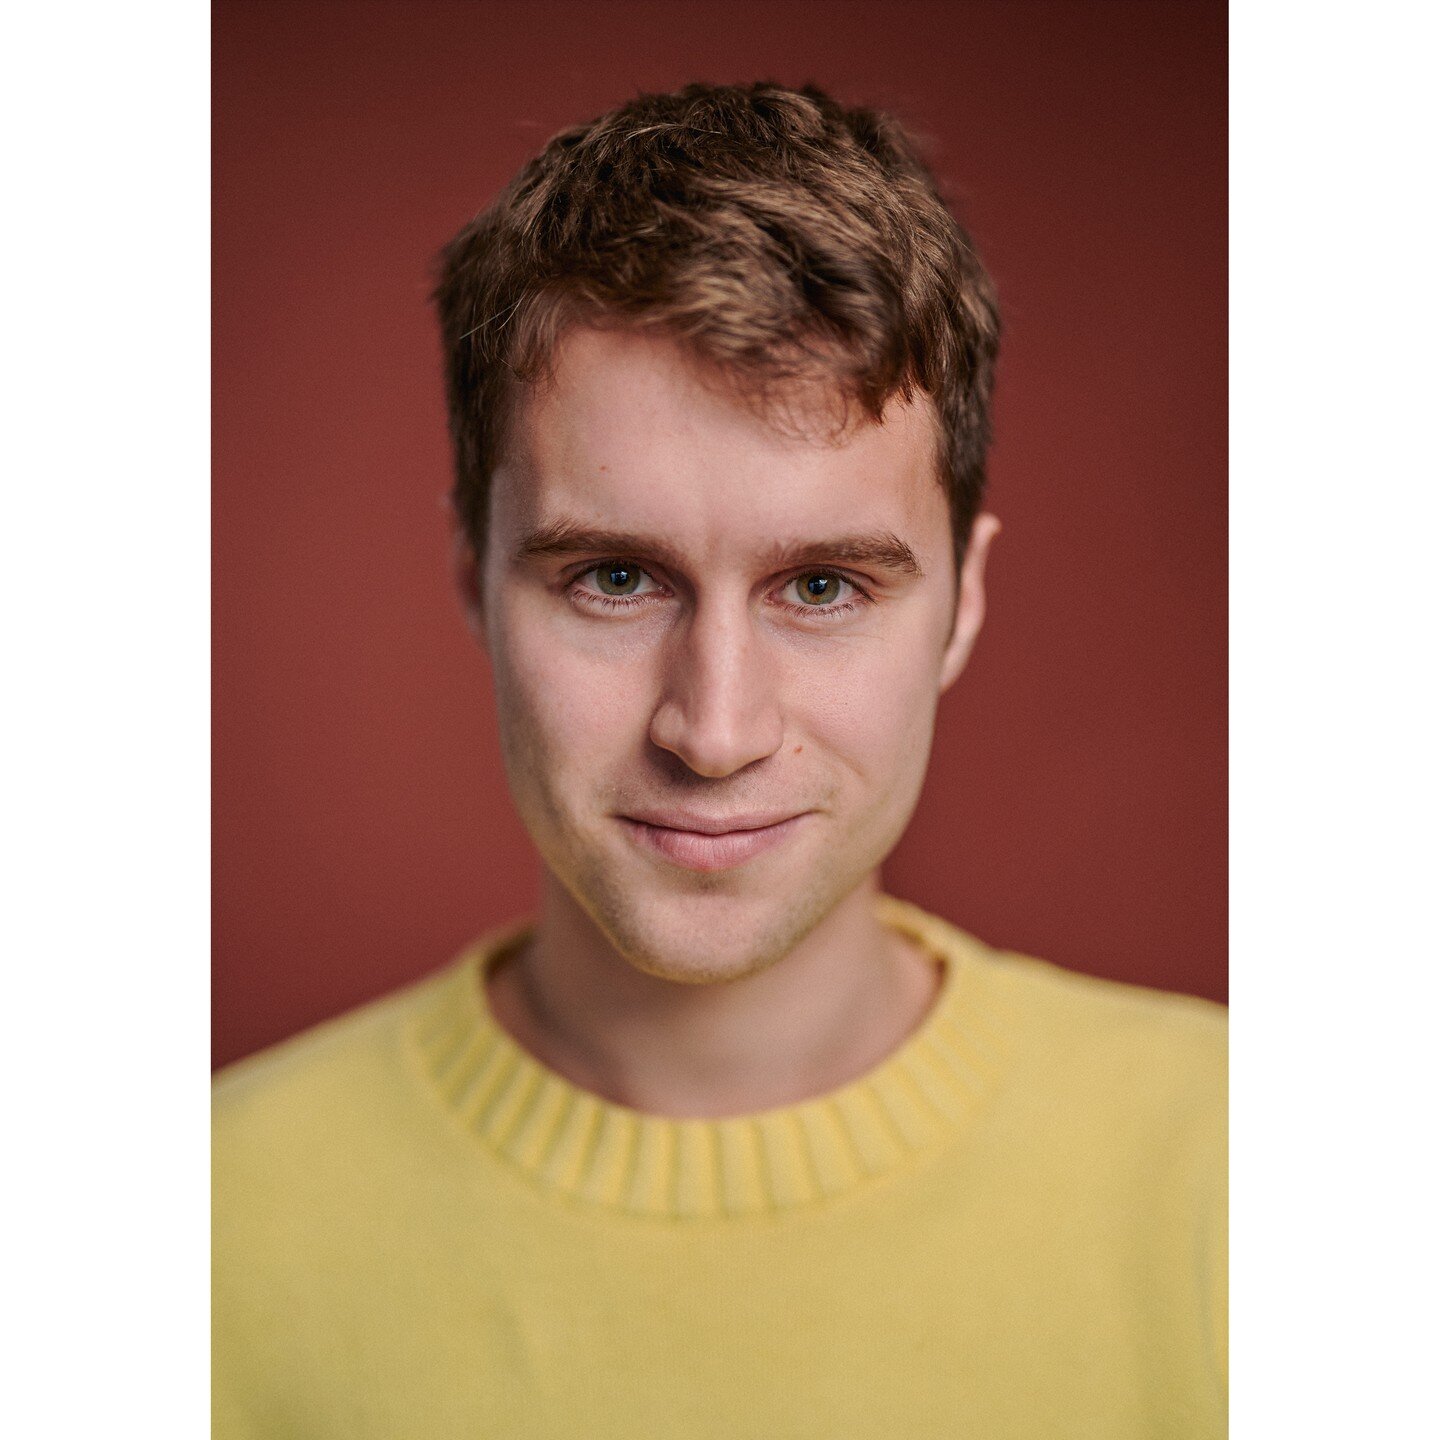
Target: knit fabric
{"points": [[1013, 1226]]}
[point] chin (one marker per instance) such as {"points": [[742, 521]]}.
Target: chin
{"points": [[707, 938]]}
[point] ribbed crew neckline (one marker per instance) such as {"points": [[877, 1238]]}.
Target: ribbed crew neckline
{"points": [[581, 1147]]}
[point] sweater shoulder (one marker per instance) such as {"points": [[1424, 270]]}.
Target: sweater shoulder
{"points": [[1091, 1010], [1067, 1011], [1139, 1056], [323, 1078]]}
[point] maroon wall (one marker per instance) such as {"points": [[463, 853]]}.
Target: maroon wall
{"points": [[1076, 806]]}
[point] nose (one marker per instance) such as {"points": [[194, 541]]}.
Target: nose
{"points": [[719, 707]]}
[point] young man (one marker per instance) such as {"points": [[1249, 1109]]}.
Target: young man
{"points": [[726, 1143]]}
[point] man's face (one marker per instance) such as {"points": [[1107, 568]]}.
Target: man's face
{"points": [[717, 647]]}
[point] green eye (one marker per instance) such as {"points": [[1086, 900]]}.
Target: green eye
{"points": [[617, 579], [818, 589]]}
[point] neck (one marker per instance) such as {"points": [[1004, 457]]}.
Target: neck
{"points": [[846, 997]]}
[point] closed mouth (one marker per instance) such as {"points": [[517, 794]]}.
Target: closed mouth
{"points": [[706, 843]]}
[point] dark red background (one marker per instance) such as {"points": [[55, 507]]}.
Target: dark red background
{"points": [[1076, 805]]}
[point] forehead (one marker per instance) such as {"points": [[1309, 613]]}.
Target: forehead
{"points": [[630, 432]]}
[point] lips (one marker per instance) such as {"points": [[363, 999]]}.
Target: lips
{"points": [[707, 842]]}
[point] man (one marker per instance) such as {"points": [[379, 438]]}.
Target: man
{"points": [[725, 1143]]}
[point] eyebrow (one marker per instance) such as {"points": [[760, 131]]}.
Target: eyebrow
{"points": [[879, 549]]}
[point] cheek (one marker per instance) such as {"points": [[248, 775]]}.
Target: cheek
{"points": [[866, 697], [563, 709], [877, 738], [873, 711]]}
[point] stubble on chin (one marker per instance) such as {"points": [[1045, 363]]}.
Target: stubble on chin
{"points": [[713, 934]]}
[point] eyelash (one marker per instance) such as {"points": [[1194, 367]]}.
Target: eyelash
{"points": [[595, 600]]}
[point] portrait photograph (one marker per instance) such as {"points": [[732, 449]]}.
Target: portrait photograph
{"points": [[724, 534], [736, 652]]}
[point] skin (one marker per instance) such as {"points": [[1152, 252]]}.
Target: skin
{"points": [[677, 973]]}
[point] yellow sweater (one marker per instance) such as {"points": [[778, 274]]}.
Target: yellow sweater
{"points": [[1013, 1227]]}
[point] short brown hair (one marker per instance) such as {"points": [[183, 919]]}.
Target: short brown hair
{"points": [[780, 236]]}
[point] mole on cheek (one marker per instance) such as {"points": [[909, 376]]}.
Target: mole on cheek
{"points": [[799, 748]]}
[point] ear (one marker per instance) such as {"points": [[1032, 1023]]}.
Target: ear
{"points": [[970, 600], [465, 570]]}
